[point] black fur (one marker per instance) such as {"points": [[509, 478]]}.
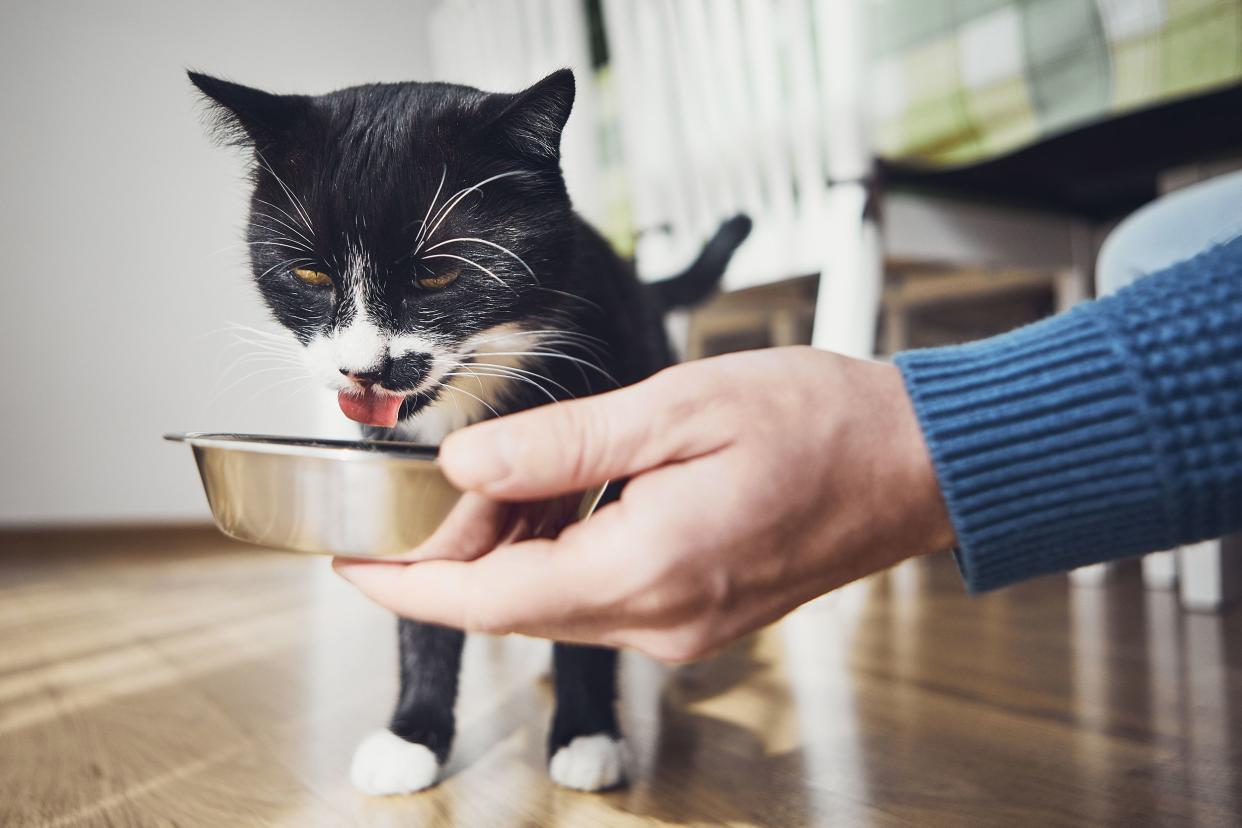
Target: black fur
{"points": [[430, 658], [585, 692], [356, 170], [701, 278]]}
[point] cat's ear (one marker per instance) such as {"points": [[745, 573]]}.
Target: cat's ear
{"points": [[532, 120], [243, 115]]}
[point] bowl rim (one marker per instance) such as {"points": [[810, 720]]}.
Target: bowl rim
{"points": [[322, 447]]}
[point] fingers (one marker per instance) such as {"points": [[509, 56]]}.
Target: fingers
{"points": [[583, 587], [534, 587], [475, 526], [571, 446], [478, 524]]}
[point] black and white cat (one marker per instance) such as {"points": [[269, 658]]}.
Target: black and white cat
{"points": [[418, 241]]}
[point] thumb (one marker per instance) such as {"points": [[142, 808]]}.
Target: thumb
{"points": [[569, 446]]}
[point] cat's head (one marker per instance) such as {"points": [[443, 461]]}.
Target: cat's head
{"points": [[398, 230]]}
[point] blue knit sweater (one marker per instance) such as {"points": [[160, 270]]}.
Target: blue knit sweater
{"points": [[1110, 430]]}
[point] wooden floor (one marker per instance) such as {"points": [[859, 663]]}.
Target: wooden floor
{"points": [[177, 679]]}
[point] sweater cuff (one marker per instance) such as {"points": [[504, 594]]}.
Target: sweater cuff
{"points": [[1042, 449]]}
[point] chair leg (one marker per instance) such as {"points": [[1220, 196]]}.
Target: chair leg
{"points": [[685, 334], [783, 329], [1160, 570], [1073, 284], [896, 332], [850, 283], [1093, 575], [1208, 573], [1069, 288]]}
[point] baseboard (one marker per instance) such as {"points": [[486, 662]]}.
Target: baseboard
{"points": [[106, 536]]}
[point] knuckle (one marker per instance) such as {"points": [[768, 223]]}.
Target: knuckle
{"points": [[491, 625], [680, 647], [582, 437], [719, 592], [651, 591], [478, 616], [696, 416], [681, 400], [616, 640]]}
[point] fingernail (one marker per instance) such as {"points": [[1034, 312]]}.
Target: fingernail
{"points": [[476, 456]]}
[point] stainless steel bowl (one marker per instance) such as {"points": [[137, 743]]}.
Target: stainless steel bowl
{"points": [[362, 499]]}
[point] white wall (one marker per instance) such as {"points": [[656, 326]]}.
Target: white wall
{"points": [[115, 211], [524, 41]]}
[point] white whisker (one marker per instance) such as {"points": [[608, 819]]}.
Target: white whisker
{"points": [[469, 262], [267, 389], [452, 203], [285, 213], [276, 244], [521, 371], [246, 377], [293, 199], [549, 394], [292, 244], [478, 378], [512, 334], [489, 244], [423, 225], [587, 348], [483, 402], [289, 263], [462, 366], [282, 337], [575, 296], [285, 224], [558, 355]]}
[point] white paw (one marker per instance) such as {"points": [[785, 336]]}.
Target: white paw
{"points": [[385, 764], [589, 763]]}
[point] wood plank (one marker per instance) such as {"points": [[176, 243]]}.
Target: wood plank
{"points": [[918, 289], [172, 677]]}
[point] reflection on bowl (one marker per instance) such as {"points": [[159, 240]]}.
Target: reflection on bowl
{"points": [[363, 499]]}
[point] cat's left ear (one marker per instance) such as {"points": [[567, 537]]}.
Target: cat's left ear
{"points": [[531, 121], [245, 115]]}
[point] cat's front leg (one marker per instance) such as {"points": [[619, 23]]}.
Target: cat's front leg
{"points": [[585, 748], [408, 755]]}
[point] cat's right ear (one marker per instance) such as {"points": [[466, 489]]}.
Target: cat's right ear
{"points": [[247, 116]]}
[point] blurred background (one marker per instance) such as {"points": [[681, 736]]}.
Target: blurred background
{"points": [[919, 172]]}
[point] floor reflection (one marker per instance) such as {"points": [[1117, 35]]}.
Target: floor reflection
{"points": [[205, 687], [1210, 716]]}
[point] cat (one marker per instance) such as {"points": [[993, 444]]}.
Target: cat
{"points": [[418, 241]]}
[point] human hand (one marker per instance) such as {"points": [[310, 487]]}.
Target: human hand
{"points": [[759, 481]]}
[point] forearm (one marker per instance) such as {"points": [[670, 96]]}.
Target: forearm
{"points": [[1111, 430]]}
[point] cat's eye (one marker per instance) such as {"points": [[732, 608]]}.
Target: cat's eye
{"points": [[312, 277], [435, 281]]}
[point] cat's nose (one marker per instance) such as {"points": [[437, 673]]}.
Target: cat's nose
{"points": [[364, 379]]}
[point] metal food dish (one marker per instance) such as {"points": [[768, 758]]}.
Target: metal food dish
{"points": [[360, 499]]}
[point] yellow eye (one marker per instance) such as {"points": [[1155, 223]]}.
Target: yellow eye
{"points": [[312, 277], [439, 280]]}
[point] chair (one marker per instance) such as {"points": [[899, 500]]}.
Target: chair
{"points": [[760, 106]]}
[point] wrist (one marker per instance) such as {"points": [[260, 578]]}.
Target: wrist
{"points": [[930, 527]]}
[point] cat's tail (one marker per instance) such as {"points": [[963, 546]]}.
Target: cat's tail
{"points": [[697, 282]]}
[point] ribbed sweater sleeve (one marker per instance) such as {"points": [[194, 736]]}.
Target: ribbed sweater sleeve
{"points": [[1110, 430]]}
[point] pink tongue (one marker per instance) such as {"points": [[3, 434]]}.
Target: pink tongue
{"points": [[370, 407]]}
